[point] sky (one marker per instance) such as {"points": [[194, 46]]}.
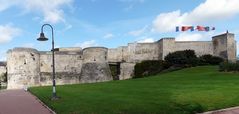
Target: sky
{"points": [[111, 23]]}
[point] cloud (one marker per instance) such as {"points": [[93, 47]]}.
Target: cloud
{"points": [[209, 11], [146, 40], [52, 10], [138, 32], [189, 37], [185, 36], [85, 44], [108, 36], [7, 33]]}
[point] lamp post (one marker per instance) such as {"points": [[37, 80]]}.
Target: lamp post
{"points": [[43, 38]]}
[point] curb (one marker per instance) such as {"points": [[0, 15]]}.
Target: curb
{"points": [[53, 112], [221, 110]]}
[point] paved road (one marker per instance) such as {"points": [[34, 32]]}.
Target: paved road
{"points": [[20, 102]]}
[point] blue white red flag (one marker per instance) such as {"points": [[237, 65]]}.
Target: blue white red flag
{"points": [[191, 28]]}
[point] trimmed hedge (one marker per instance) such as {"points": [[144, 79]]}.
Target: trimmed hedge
{"points": [[149, 67], [210, 60], [229, 67]]}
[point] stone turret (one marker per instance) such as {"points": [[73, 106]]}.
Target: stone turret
{"points": [[23, 68], [166, 46], [224, 46], [95, 66]]}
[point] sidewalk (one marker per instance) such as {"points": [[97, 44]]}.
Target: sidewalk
{"points": [[232, 110], [20, 102]]}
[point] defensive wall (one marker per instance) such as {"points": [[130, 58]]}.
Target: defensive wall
{"points": [[29, 67]]}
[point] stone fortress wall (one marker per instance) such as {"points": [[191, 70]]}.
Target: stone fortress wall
{"points": [[29, 67]]}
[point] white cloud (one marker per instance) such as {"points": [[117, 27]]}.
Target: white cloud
{"points": [[138, 32], [108, 36], [50, 9], [85, 44], [146, 40], [210, 10], [7, 33], [185, 36], [189, 37]]}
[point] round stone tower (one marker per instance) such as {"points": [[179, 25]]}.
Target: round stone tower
{"points": [[95, 66], [23, 68]]}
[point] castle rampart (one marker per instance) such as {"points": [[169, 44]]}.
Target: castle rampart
{"points": [[29, 67]]}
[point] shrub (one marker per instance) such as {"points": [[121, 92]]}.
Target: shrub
{"points": [[149, 67], [229, 67], [210, 60], [3, 77], [186, 58], [190, 108]]}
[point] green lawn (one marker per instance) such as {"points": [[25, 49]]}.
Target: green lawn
{"points": [[183, 91]]}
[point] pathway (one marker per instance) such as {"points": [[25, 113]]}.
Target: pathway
{"points": [[20, 102], [233, 110]]}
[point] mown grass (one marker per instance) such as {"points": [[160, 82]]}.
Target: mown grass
{"points": [[185, 91]]}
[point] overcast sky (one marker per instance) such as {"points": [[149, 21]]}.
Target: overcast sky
{"points": [[111, 23]]}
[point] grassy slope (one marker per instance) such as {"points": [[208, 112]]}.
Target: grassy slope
{"points": [[158, 94]]}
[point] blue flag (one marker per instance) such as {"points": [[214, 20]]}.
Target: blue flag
{"points": [[177, 28], [207, 28], [192, 28]]}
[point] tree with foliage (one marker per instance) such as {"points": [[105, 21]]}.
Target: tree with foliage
{"points": [[185, 58]]}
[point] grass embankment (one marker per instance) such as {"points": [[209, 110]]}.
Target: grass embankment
{"points": [[175, 92]]}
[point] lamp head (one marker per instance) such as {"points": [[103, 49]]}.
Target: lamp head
{"points": [[42, 37]]}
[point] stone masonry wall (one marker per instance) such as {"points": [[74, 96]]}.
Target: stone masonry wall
{"points": [[95, 67], [200, 47], [224, 45], [67, 66], [168, 45], [231, 47], [29, 67], [127, 71], [23, 68], [145, 51]]}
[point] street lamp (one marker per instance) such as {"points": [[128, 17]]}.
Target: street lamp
{"points": [[43, 38]]}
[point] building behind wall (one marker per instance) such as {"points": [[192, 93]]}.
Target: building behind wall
{"points": [[3, 71], [29, 67]]}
